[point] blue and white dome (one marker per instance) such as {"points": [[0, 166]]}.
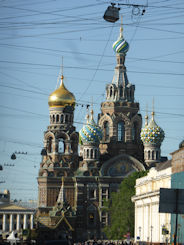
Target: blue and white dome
{"points": [[121, 46], [91, 132], [152, 133]]}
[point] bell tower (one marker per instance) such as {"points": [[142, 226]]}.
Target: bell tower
{"points": [[119, 118], [60, 152]]}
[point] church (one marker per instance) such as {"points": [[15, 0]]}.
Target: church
{"points": [[75, 184]]}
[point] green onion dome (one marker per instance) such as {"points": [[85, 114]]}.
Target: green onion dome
{"points": [[121, 46], [91, 132], [152, 133]]}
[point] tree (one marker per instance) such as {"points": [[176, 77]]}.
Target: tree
{"points": [[121, 209]]}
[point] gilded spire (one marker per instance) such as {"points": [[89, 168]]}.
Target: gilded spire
{"points": [[153, 113], [146, 116], [121, 27], [61, 97], [92, 112]]}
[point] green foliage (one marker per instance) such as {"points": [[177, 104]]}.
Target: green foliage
{"points": [[121, 209]]}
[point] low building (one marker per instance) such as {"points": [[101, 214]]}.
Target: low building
{"points": [[15, 216], [149, 223]]}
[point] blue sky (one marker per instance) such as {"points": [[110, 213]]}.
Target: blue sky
{"points": [[36, 34]]}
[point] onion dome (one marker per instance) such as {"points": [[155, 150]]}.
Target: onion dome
{"points": [[61, 97], [152, 133], [91, 132], [121, 46]]}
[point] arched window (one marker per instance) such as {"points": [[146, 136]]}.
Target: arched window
{"points": [[53, 119], [66, 118], [121, 131], [49, 144], [121, 91], [106, 130], [57, 118], [134, 132], [91, 155], [153, 155], [148, 155], [61, 118], [110, 91], [61, 147], [87, 153]]}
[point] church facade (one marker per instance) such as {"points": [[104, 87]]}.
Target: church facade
{"points": [[110, 150]]}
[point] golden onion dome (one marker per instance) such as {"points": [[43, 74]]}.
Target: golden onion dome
{"points": [[61, 97]]}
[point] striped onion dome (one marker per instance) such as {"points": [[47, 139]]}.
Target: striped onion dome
{"points": [[91, 132], [152, 133], [121, 46]]}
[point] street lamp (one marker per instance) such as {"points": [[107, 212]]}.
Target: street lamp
{"points": [[112, 13]]}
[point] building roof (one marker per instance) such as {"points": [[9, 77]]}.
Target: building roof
{"points": [[163, 165]]}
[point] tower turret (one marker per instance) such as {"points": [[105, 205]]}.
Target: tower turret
{"points": [[119, 120], [60, 145], [120, 89], [89, 139], [152, 136]]}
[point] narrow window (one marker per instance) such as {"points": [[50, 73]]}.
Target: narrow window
{"points": [[110, 91], [60, 146], [61, 118], [87, 153], [121, 131], [152, 155], [91, 156], [148, 155], [91, 218], [49, 145], [66, 118], [106, 130], [134, 132]]}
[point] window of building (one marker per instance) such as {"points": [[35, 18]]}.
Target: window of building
{"points": [[49, 144], [61, 118], [91, 218], [104, 195], [152, 155], [66, 118], [92, 193], [121, 131], [148, 155], [91, 154], [134, 132], [110, 91], [87, 153], [61, 146], [106, 130]]}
